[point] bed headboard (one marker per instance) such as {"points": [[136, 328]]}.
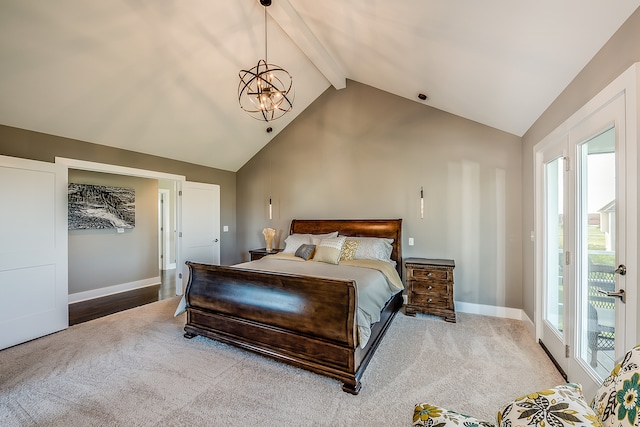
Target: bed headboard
{"points": [[388, 228]]}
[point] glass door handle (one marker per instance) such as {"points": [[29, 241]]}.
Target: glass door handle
{"points": [[621, 270], [620, 294]]}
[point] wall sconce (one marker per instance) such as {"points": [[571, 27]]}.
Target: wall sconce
{"points": [[421, 202], [270, 209]]}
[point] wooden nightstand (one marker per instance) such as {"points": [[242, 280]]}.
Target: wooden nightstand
{"points": [[430, 287], [259, 253]]}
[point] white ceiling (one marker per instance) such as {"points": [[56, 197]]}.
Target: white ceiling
{"points": [[161, 76]]}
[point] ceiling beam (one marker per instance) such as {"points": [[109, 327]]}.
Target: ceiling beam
{"points": [[290, 21]]}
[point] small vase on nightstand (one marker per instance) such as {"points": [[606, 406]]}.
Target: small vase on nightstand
{"points": [[269, 234]]}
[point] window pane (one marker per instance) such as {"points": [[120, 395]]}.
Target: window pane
{"points": [[554, 288], [597, 219]]}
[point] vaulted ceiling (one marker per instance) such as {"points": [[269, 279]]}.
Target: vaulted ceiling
{"points": [[161, 76]]}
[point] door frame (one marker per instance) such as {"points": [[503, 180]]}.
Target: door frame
{"points": [[625, 85], [164, 229], [557, 144], [140, 173]]}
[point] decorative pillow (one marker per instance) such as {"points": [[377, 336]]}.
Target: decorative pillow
{"points": [[306, 251], [294, 241], [560, 406], [617, 402], [373, 248], [349, 250], [432, 416], [329, 250], [315, 238]]}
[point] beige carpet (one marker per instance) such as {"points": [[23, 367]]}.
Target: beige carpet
{"points": [[135, 369]]}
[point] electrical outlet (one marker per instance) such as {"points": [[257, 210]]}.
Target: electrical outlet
{"points": [[225, 228]]}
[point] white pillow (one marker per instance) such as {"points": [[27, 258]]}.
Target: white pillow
{"points": [[317, 237], [373, 248], [329, 250], [294, 241]]}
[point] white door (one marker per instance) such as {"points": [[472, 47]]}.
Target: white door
{"points": [[599, 258], [587, 254], [33, 250], [200, 218]]}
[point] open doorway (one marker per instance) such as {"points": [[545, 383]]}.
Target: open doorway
{"points": [[174, 272], [127, 293]]}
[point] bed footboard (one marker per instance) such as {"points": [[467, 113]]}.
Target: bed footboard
{"points": [[305, 321]]}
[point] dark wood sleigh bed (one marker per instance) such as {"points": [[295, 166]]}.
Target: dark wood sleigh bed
{"points": [[309, 322]]}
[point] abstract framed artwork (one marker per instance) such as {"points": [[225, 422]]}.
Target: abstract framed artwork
{"points": [[100, 207]]}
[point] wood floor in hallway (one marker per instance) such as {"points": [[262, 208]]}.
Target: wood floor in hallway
{"points": [[84, 311]]}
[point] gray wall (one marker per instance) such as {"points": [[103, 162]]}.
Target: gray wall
{"points": [[364, 153], [616, 56], [39, 146], [101, 258]]}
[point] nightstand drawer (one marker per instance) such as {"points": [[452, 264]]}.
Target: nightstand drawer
{"points": [[430, 299], [429, 287], [433, 274]]}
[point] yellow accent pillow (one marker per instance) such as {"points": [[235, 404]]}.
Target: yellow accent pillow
{"points": [[349, 250]]}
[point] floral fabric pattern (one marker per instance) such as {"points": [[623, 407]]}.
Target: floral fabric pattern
{"points": [[617, 402], [557, 407], [432, 416], [628, 399]]}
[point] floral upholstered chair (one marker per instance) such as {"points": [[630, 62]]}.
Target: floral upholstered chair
{"points": [[616, 404]]}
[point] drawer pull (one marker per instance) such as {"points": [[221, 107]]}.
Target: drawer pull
{"points": [[429, 274], [430, 287], [430, 300]]}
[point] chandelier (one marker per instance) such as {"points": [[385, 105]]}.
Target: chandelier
{"points": [[266, 90]]}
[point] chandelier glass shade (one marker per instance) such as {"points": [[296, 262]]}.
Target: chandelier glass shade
{"points": [[266, 90]]}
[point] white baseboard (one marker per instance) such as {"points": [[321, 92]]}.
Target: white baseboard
{"points": [[494, 311], [528, 323], [110, 290], [489, 310]]}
